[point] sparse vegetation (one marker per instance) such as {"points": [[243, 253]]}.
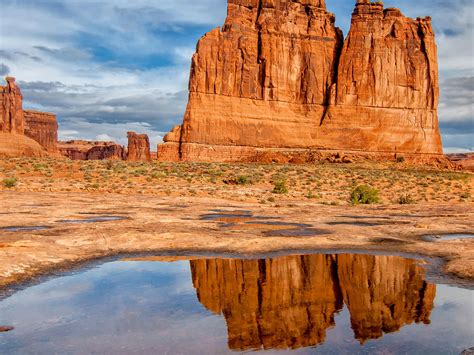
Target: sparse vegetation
{"points": [[405, 199], [364, 195], [279, 187], [10, 183]]}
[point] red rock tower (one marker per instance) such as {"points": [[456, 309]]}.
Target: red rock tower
{"points": [[278, 79], [138, 147], [12, 119]]}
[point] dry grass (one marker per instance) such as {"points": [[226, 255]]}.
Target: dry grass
{"points": [[323, 183]]}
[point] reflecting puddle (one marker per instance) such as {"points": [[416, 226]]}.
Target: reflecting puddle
{"points": [[24, 228], [445, 237], [307, 304], [97, 219]]}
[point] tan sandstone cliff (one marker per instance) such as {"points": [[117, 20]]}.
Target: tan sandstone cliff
{"points": [[279, 80], [291, 302]]}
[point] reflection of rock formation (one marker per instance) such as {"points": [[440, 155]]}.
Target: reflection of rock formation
{"points": [[383, 293], [290, 302]]}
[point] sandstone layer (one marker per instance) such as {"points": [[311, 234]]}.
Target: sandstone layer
{"points": [[92, 150], [291, 302], [43, 128], [138, 147], [279, 80], [13, 141]]}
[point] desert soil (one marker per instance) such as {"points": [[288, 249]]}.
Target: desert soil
{"points": [[221, 208]]}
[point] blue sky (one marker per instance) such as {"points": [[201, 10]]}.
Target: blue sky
{"points": [[105, 67]]}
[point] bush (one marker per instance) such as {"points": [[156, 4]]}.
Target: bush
{"points": [[405, 199], [365, 195], [400, 159], [10, 182], [280, 187]]}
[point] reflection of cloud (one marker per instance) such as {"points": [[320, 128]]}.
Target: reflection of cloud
{"points": [[134, 66]]}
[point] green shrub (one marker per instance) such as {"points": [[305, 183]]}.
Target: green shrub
{"points": [[365, 195], [10, 182], [405, 199], [280, 187]]}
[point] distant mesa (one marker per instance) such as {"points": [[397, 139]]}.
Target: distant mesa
{"points": [[278, 82], [92, 150], [138, 149], [463, 160]]}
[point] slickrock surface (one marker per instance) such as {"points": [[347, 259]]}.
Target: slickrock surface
{"points": [[43, 128], [92, 150], [382, 294], [278, 82], [138, 147], [24, 133], [175, 225]]}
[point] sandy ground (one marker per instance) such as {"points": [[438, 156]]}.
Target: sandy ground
{"points": [[189, 224]]}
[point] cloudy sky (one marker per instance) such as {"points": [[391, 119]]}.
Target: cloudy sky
{"points": [[108, 66]]}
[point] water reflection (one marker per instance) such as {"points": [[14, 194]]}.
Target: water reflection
{"points": [[291, 301], [303, 304]]}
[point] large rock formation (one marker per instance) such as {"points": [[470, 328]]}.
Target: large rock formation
{"points": [[278, 79], [13, 142], [43, 128], [290, 302], [138, 147], [89, 150]]}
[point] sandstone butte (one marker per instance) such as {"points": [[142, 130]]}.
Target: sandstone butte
{"points": [[278, 82], [260, 313], [92, 150], [23, 132], [138, 147]]}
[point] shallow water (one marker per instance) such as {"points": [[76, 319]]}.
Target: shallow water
{"points": [[97, 219], [24, 228], [303, 304], [442, 237]]}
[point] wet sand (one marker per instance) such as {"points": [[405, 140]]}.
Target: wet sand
{"points": [[132, 224]]}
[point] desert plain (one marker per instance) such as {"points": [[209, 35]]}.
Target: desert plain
{"points": [[57, 214]]}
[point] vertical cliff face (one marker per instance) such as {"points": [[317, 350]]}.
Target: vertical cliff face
{"points": [[138, 147], [387, 85], [43, 128], [290, 302], [278, 77], [12, 118], [260, 81]]}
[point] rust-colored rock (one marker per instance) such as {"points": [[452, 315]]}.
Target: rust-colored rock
{"points": [[290, 302], [138, 147], [13, 142], [12, 118], [463, 160], [278, 79], [90, 150], [43, 128]]}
